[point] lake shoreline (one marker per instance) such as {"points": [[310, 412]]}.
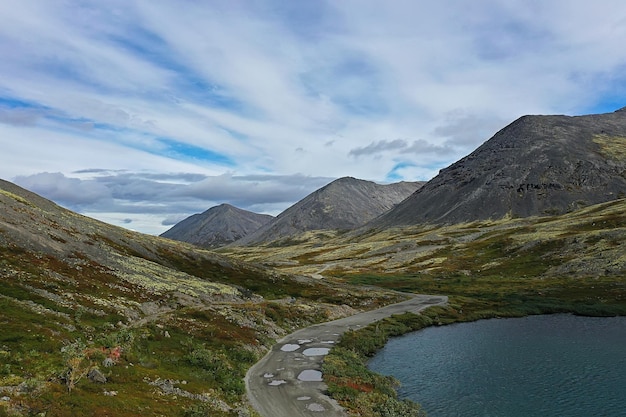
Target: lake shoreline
{"points": [[368, 341]]}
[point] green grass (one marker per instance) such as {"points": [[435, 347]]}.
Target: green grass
{"points": [[29, 351], [598, 296], [353, 385]]}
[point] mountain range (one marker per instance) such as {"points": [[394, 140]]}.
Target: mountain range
{"points": [[344, 204], [535, 166]]}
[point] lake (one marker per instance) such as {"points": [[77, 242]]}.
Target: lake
{"points": [[549, 365]]}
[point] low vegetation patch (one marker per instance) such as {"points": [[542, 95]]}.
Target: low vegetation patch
{"points": [[361, 391]]}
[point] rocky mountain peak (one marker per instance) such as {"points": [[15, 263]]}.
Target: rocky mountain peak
{"points": [[537, 165], [217, 226]]}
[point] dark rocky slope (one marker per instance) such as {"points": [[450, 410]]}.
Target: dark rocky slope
{"points": [[218, 226], [344, 204], [537, 165]]}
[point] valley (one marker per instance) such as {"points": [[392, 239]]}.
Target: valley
{"points": [[98, 320]]}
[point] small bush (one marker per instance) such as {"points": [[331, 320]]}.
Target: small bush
{"points": [[392, 407]]}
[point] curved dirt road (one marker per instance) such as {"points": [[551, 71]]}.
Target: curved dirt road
{"points": [[287, 381]]}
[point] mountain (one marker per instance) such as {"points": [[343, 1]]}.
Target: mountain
{"points": [[537, 165], [344, 204], [218, 226]]}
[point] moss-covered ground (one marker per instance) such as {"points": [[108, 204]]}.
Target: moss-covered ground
{"points": [[100, 321]]}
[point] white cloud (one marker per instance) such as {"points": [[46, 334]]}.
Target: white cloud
{"points": [[58, 187], [135, 199]]}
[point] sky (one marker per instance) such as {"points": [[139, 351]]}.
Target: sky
{"points": [[141, 113]]}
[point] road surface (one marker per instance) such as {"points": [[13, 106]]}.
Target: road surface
{"points": [[287, 382]]}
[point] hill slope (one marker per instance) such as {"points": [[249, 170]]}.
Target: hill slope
{"points": [[344, 204], [218, 226], [537, 165]]}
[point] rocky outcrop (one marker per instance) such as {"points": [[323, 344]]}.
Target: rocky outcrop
{"points": [[95, 375]]}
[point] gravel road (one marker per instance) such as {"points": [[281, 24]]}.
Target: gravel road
{"points": [[287, 382]]}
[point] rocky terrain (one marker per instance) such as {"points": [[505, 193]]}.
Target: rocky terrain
{"points": [[344, 204], [218, 226], [537, 165]]}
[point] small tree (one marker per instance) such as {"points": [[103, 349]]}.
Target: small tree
{"points": [[77, 362]]}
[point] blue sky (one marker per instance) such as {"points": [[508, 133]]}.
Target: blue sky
{"points": [[141, 113]]}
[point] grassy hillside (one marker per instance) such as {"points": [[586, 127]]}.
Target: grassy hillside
{"points": [[173, 328]]}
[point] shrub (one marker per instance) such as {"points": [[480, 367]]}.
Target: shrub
{"points": [[392, 407], [76, 361], [357, 388]]}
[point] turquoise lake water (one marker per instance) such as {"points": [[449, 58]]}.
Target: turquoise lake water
{"points": [[550, 365]]}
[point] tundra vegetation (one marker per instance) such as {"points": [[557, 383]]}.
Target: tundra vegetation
{"points": [[159, 350]]}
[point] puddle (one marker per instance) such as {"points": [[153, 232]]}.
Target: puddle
{"points": [[303, 398], [316, 352], [289, 347], [315, 407], [310, 375], [277, 382], [303, 341], [268, 375]]}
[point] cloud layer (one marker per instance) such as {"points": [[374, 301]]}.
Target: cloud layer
{"points": [[142, 112]]}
